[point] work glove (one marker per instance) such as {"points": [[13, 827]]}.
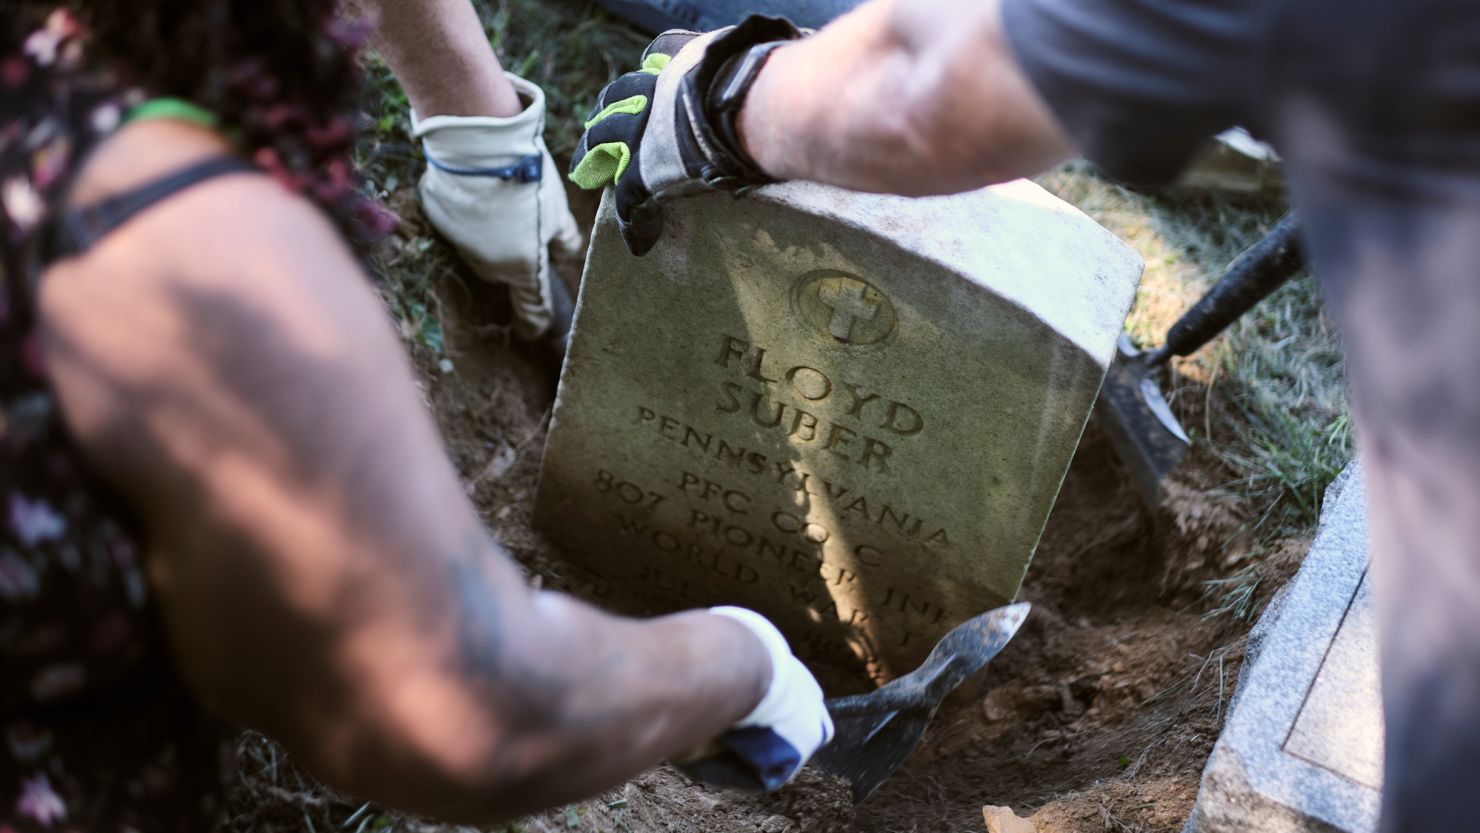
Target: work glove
{"points": [[492, 190], [668, 130], [769, 746]]}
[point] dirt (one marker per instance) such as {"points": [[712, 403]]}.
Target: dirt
{"points": [[1098, 717]]}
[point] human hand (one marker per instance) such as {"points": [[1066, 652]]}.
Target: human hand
{"points": [[769, 746], [668, 130], [493, 191]]}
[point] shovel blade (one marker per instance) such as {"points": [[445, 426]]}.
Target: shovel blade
{"points": [[1147, 437], [874, 733]]}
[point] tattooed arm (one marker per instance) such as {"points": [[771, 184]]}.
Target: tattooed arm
{"points": [[322, 575]]}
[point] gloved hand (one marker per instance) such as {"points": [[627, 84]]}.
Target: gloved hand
{"points": [[492, 190], [668, 130], [769, 746]]}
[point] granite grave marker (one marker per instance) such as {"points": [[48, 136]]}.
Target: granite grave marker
{"points": [[850, 412], [1302, 748]]}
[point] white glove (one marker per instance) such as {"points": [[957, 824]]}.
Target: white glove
{"points": [[790, 723], [492, 190]]}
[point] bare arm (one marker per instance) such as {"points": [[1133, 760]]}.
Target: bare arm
{"points": [[439, 54], [910, 97], [323, 577]]}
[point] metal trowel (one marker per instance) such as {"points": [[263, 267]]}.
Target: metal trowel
{"points": [[875, 732]]}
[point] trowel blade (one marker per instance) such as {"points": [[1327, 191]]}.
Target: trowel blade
{"points": [[875, 732]]}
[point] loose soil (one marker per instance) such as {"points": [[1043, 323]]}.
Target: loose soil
{"points": [[1098, 717]]}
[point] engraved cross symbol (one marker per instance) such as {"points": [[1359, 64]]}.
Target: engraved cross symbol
{"points": [[845, 299]]}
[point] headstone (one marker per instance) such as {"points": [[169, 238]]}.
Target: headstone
{"points": [[1302, 749], [850, 412]]}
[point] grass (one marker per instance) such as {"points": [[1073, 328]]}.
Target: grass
{"points": [[1291, 430], [1267, 398], [570, 49]]}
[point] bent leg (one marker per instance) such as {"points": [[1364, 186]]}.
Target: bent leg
{"points": [[1408, 313]]}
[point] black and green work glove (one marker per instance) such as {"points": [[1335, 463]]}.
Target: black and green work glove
{"points": [[668, 130]]}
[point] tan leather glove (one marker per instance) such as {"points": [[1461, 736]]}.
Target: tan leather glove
{"points": [[492, 190]]}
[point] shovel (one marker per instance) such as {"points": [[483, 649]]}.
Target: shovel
{"points": [[1146, 435], [875, 732]]}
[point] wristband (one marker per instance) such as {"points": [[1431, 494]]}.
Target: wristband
{"points": [[718, 89], [731, 87]]}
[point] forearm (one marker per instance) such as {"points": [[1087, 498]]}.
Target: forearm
{"points": [[440, 56], [636, 692], [888, 100], [587, 700], [431, 679], [452, 690]]}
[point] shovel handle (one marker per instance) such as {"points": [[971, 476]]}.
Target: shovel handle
{"points": [[1260, 270]]}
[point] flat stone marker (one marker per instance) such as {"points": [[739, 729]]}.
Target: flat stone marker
{"points": [[849, 412], [1302, 749]]}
